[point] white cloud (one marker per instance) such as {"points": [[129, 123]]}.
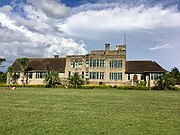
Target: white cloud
{"points": [[43, 39], [148, 28], [51, 7], [42, 28], [119, 19], [33, 33], [5, 9], [161, 46]]}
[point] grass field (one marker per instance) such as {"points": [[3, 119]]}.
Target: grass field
{"points": [[77, 112]]}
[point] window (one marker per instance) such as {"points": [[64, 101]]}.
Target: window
{"points": [[69, 74], [129, 77], [87, 63], [40, 75], [111, 63], [97, 75], [102, 63], [155, 76], [142, 76], [111, 76], [97, 63], [87, 75], [16, 75], [82, 74], [119, 76], [115, 76], [115, 64], [93, 63], [76, 64], [101, 75], [30, 75], [119, 64]]}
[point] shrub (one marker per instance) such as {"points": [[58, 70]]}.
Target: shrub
{"points": [[101, 83], [169, 88], [133, 87], [21, 85], [96, 86], [142, 83]]}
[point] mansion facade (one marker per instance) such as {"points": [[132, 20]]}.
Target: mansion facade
{"points": [[98, 67]]}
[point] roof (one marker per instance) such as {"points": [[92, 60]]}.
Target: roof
{"points": [[143, 66], [44, 64]]}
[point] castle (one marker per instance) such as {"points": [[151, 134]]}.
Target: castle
{"points": [[98, 67]]}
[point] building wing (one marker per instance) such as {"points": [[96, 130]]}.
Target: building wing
{"points": [[44, 64], [139, 67]]}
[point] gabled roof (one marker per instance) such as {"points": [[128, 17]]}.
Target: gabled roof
{"points": [[44, 64], [143, 66]]}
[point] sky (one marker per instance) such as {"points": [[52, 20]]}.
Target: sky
{"points": [[43, 28]]}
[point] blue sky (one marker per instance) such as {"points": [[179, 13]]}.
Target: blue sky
{"points": [[42, 28]]}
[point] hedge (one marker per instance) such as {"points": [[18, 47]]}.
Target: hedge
{"points": [[95, 86], [138, 87], [31, 85], [115, 87], [120, 87], [21, 85]]}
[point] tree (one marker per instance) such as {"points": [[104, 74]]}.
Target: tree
{"points": [[10, 72], [1, 60], [166, 81], [23, 63], [51, 78], [176, 74], [76, 80], [3, 77]]}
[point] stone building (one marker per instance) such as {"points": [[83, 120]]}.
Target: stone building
{"points": [[98, 67]]}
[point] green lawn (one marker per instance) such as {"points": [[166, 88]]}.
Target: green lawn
{"points": [[76, 112]]}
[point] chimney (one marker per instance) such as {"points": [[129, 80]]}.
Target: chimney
{"points": [[117, 48], [107, 47], [56, 56]]}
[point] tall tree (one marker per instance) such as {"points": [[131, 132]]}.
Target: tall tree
{"points": [[51, 78], [23, 63], [76, 80], [3, 77], [10, 72], [1, 60], [176, 74]]}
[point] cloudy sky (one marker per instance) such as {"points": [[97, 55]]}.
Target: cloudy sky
{"points": [[42, 28]]}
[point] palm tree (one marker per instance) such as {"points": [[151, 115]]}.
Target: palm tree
{"points": [[76, 80], [51, 78], [166, 81], [23, 63]]}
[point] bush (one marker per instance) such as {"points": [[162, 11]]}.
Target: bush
{"points": [[169, 88], [3, 85], [101, 83], [21, 85], [3, 77], [142, 83], [95, 86], [139, 87]]}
